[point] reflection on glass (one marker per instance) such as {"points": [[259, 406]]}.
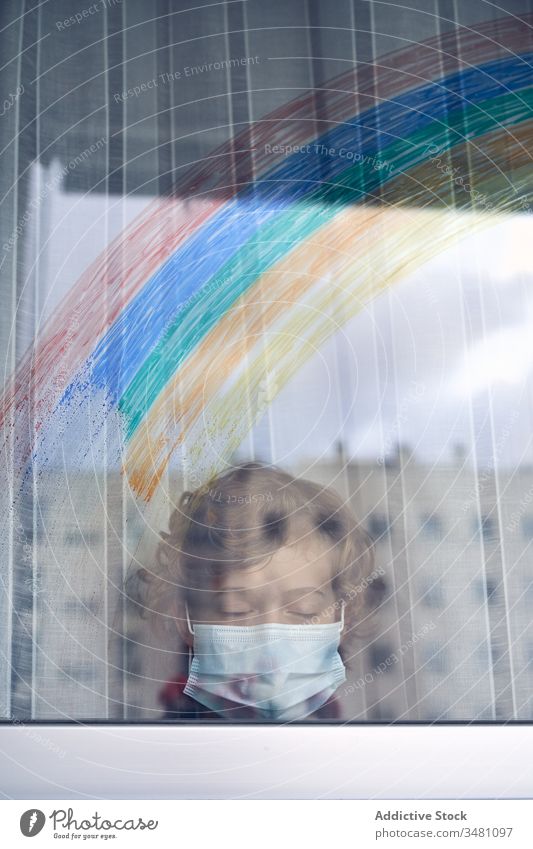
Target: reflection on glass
{"points": [[300, 247]]}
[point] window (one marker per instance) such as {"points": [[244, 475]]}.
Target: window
{"points": [[431, 525], [266, 305], [527, 526], [432, 595], [488, 589], [435, 659], [377, 592], [486, 527], [378, 527], [381, 656], [81, 538]]}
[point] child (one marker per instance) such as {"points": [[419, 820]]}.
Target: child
{"points": [[264, 574]]}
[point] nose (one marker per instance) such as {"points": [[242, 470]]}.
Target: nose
{"points": [[270, 617]]}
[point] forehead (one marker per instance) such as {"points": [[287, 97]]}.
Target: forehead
{"points": [[309, 564]]}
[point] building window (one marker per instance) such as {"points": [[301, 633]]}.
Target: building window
{"points": [[435, 659], [487, 590], [376, 592], [381, 656], [378, 526], [87, 539], [431, 525], [527, 526], [433, 595], [492, 591], [486, 526]]}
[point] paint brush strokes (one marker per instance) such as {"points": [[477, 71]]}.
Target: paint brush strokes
{"points": [[178, 324]]}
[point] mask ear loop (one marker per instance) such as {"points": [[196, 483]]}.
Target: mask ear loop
{"points": [[343, 603], [191, 630]]}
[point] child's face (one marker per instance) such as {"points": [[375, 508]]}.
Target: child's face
{"points": [[293, 587]]}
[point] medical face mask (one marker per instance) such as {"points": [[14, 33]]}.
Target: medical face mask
{"points": [[270, 672]]}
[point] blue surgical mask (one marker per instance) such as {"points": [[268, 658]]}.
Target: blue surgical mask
{"points": [[271, 672]]}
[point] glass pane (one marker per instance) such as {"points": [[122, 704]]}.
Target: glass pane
{"points": [[266, 343]]}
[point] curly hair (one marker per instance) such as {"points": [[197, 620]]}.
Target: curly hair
{"points": [[208, 534]]}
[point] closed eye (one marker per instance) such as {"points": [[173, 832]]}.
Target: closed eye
{"points": [[306, 614], [236, 613]]}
